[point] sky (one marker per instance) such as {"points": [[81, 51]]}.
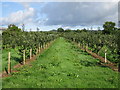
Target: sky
{"points": [[52, 15]]}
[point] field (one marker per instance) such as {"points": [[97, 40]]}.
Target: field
{"points": [[15, 57], [59, 45], [63, 65]]}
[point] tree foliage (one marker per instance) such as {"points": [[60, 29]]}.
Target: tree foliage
{"points": [[26, 40], [60, 30], [108, 27], [96, 41], [13, 27]]}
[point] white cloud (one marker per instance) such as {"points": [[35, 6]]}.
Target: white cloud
{"points": [[19, 17], [80, 13], [67, 14]]}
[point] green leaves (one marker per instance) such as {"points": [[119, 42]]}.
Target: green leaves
{"points": [[108, 27], [96, 42], [26, 41]]}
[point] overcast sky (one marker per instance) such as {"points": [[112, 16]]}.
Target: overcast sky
{"points": [[51, 15]]}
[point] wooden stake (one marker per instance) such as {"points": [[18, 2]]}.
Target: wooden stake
{"points": [[43, 46], [39, 48], [78, 44], [49, 44], [36, 51], [46, 45], [74, 39], [86, 47], [30, 53], [9, 69], [24, 57], [105, 58]]}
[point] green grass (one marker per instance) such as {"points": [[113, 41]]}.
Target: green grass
{"points": [[15, 57], [63, 66]]}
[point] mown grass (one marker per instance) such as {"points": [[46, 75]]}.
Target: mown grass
{"points": [[63, 66], [15, 57]]}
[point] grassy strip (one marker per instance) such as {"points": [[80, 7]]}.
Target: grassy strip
{"points": [[15, 57], [63, 66]]}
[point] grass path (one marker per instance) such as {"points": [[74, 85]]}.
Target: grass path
{"points": [[63, 66]]}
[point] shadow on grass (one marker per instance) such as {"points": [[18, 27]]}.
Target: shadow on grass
{"points": [[88, 63], [6, 70], [17, 59]]}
